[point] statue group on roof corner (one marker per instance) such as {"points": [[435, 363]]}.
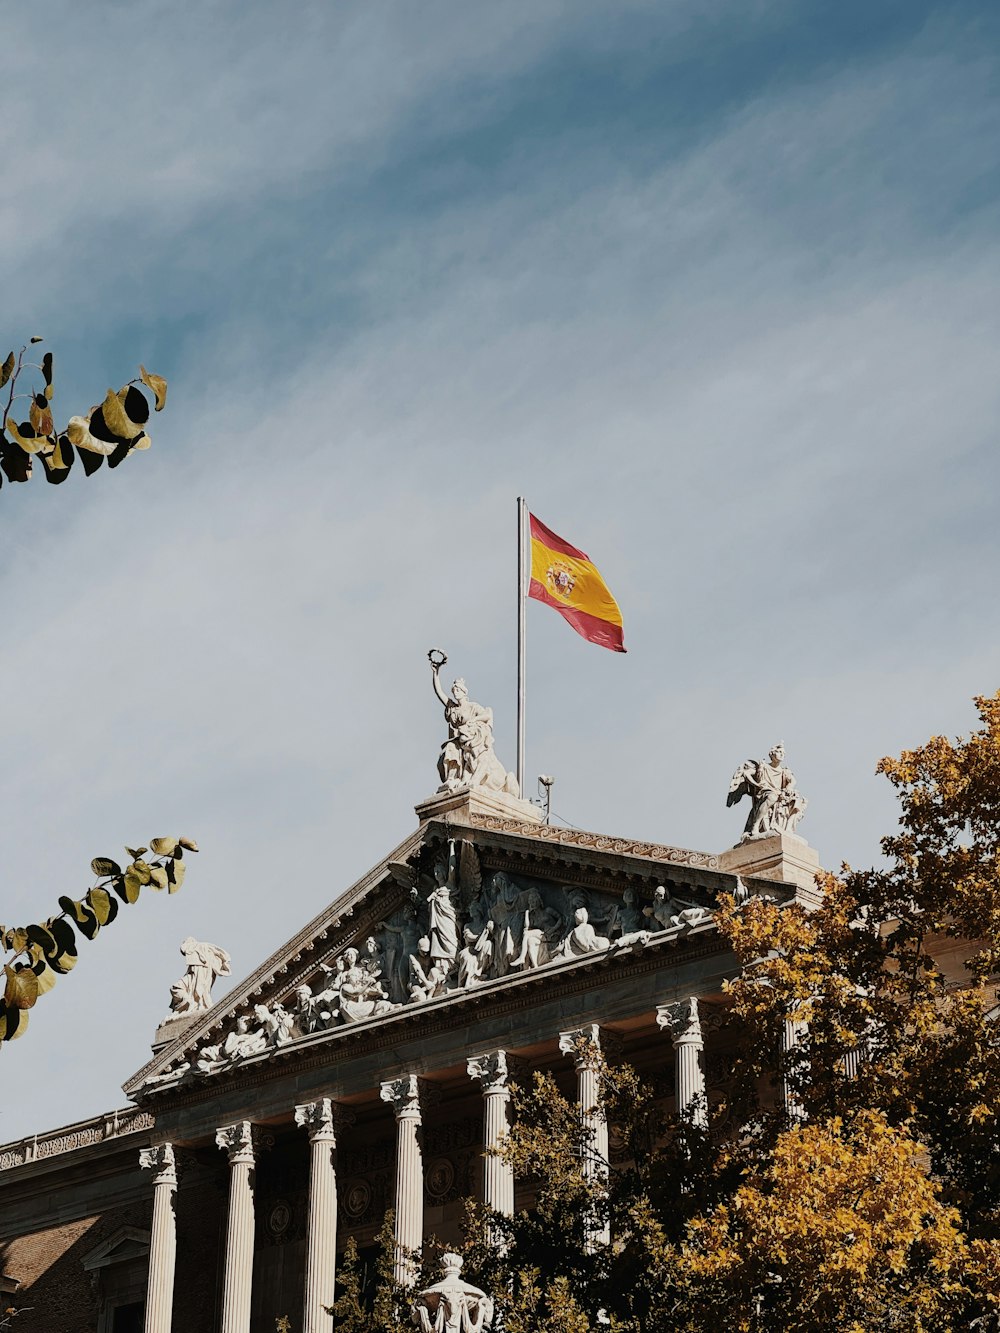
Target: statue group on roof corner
{"points": [[776, 804]]}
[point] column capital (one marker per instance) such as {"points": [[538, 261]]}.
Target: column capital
{"points": [[242, 1140], [409, 1095], [324, 1119], [681, 1020], [585, 1044], [160, 1159], [494, 1070]]}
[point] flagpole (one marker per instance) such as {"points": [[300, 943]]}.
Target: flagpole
{"points": [[522, 525]]}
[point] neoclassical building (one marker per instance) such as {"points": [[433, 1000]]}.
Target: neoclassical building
{"points": [[366, 1064]]}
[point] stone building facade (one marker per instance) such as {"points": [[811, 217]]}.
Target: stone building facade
{"points": [[367, 1064]]}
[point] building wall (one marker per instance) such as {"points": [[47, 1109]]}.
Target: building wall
{"points": [[57, 1294]]}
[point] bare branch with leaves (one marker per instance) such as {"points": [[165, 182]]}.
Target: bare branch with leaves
{"points": [[39, 954], [111, 430]]}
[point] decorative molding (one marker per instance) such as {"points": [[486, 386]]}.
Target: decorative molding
{"points": [[494, 1070], [597, 842], [409, 1095], [681, 1020], [242, 1141], [159, 1159], [586, 1043], [111, 1125], [323, 1118]]}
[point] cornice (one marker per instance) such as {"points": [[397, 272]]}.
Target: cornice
{"points": [[598, 842]]}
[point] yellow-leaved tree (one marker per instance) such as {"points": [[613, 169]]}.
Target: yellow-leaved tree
{"points": [[873, 1203]]}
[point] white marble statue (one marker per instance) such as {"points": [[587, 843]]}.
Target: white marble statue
{"points": [[540, 932], [776, 804], [428, 976], [582, 939], [452, 1305], [474, 957], [402, 934], [467, 758], [667, 911], [442, 930], [193, 992]]}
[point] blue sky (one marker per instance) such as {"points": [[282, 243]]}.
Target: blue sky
{"points": [[714, 285]]}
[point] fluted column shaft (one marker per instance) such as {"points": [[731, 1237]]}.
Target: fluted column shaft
{"points": [[237, 1140], [162, 1238], [793, 1030], [321, 1241], [403, 1094], [585, 1045], [683, 1022], [493, 1071]]}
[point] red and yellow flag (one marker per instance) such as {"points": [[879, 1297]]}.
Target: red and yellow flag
{"points": [[566, 579]]}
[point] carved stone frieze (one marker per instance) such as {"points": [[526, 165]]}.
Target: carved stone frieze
{"points": [[652, 851]]}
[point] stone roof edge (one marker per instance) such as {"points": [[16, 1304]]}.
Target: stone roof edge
{"points": [[269, 969], [554, 835], [108, 1125]]}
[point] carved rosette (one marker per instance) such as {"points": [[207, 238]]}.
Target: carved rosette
{"points": [[682, 1021], [160, 1160]]}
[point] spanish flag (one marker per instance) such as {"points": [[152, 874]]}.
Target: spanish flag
{"points": [[565, 579]]}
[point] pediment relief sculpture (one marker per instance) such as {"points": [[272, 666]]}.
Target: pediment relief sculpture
{"points": [[456, 929]]}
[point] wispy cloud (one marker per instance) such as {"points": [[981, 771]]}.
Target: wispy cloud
{"points": [[744, 357]]}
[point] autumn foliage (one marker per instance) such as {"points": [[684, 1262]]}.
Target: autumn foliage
{"points": [[875, 1205]]}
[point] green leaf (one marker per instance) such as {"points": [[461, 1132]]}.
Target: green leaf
{"points": [[136, 852], [158, 385], [21, 990], [103, 866], [101, 903], [84, 917], [15, 939], [163, 846], [117, 419], [158, 878], [133, 885], [26, 436], [7, 369]]}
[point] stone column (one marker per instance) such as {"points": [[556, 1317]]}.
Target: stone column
{"points": [[237, 1140], [682, 1021], [320, 1119], [585, 1045], [493, 1070], [404, 1096], [792, 1032], [162, 1239]]}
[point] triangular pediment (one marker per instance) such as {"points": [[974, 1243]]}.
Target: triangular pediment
{"points": [[122, 1245], [473, 903]]}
